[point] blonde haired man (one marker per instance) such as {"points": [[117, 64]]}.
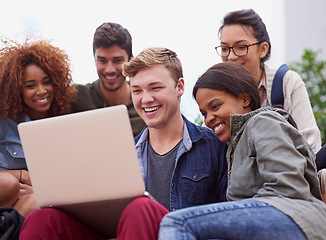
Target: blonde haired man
{"points": [[182, 164]]}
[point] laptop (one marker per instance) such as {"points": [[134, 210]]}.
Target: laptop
{"points": [[84, 164]]}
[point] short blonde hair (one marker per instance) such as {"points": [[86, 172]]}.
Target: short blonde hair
{"points": [[151, 57]]}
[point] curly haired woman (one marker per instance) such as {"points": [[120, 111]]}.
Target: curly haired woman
{"points": [[35, 83]]}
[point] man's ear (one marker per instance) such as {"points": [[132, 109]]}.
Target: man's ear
{"points": [[180, 86], [246, 100]]}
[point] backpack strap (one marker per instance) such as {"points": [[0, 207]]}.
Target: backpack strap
{"points": [[277, 97]]}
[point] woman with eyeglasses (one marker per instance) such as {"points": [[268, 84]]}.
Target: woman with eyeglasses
{"points": [[244, 40]]}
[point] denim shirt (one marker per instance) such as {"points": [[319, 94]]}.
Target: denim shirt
{"points": [[11, 151], [200, 172]]}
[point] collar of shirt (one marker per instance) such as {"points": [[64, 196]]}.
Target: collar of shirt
{"points": [[262, 90]]}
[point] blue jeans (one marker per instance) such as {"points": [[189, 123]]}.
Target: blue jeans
{"points": [[241, 220]]}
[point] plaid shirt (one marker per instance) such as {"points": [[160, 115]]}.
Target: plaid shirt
{"points": [[262, 91]]}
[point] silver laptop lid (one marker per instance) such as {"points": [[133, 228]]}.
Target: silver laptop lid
{"points": [[82, 157]]}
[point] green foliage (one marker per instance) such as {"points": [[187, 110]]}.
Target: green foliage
{"points": [[313, 72], [199, 120]]}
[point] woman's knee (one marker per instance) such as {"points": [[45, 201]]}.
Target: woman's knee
{"points": [[9, 189], [26, 204]]}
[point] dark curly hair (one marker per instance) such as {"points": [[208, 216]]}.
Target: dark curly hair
{"points": [[15, 57]]}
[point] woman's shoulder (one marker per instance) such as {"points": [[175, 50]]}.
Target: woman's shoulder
{"points": [[289, 76], [272, 112], [6, 121], [292, 78], [262, 120], [267, 116], [11, 123]]}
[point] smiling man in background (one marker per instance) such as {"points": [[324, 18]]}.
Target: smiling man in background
{"points": [[112, 47]]}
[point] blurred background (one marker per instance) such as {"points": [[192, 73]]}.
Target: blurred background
{"points": [[187, 27]]}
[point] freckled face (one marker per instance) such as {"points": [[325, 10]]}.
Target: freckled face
{"points": [[37, 92], [216, 107]]}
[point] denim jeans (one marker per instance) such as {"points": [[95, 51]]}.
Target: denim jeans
{"points": [[239, 220]]}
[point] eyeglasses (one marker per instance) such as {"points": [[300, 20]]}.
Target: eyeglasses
{"points": [[238, 50]]}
